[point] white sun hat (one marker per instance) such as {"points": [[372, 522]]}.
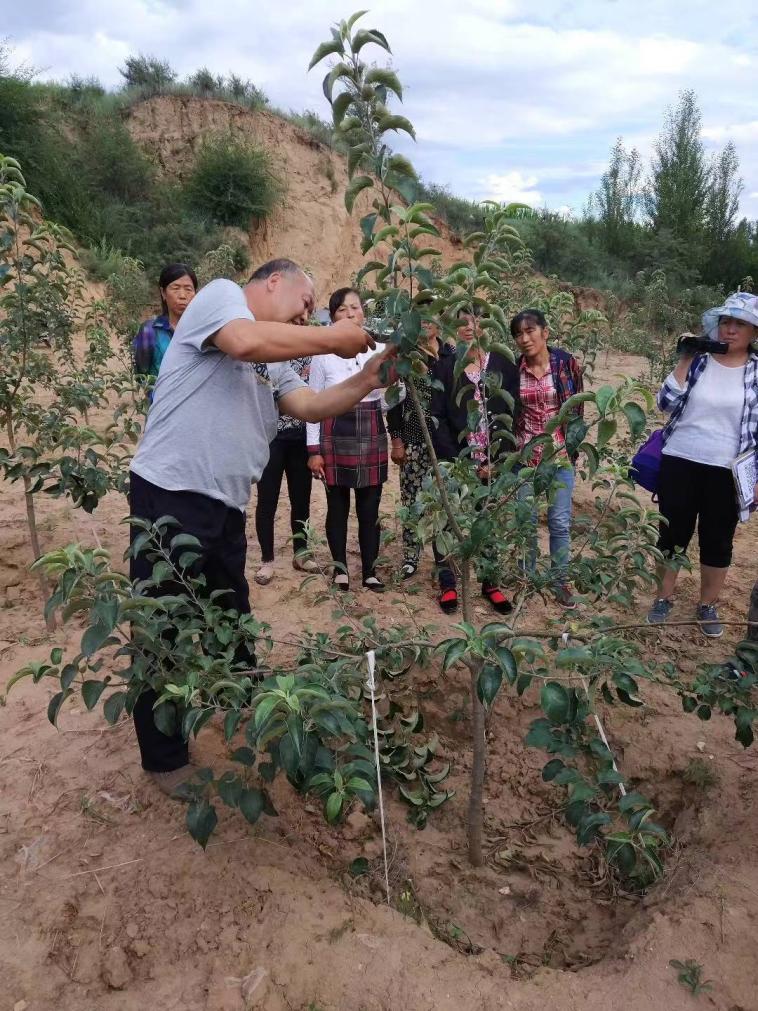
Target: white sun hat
{"points": [[740, 305]]}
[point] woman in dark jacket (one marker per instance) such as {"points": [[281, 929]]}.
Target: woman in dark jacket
{"points": [[451, 409], [407, 448]]}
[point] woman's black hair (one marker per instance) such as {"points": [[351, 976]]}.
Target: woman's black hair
{"points": [[337, 299], [527, 316], [172, 272]]}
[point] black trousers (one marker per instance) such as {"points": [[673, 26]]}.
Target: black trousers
{"points": [[752, 615], [287, 456], [692, 494], [221, 532], [367, 510]]}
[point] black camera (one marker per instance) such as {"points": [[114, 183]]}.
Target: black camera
{"points": [[691, 344]]}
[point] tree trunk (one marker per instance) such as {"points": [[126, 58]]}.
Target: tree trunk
{"points": [[479, 756], [31, 519]]}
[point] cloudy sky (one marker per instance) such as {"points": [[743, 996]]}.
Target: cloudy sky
{"points": [[511, 100]]}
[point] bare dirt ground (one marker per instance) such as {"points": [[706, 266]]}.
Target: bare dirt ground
{"points": [[106, 902]]}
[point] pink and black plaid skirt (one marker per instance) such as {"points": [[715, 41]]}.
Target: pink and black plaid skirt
{"points": [[354, 447]]}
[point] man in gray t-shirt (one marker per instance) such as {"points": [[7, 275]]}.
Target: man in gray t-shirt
{"points": [[222, 383]]}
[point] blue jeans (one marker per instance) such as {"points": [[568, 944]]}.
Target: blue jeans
{"points": [[558, 524]]}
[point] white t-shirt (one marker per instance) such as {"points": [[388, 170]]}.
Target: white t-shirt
{"points": [[212, 417], [708, 430]]}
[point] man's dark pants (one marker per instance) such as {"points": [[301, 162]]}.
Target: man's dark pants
{"points": [[752, 630], [221, 532]]}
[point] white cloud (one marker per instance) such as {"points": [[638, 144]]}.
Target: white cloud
{"points": [[512, 188], [522, 97]]}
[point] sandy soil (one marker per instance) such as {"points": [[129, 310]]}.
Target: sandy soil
{"points": [[106, 903]]}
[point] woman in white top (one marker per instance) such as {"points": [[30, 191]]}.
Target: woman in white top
{"points": [[713, 403], [349, 451]]}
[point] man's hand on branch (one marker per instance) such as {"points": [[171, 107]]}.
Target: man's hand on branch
{"points": [[373, 372], [349, 339]]}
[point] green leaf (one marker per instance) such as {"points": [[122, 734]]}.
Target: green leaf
{"points": [[636, 419], [744, 727], [166, 718], [326, 49], [333, 807], [606, 429], [387, 78], [454, 652], [364, 36], [554, 700], [251, 805], [231, 722], [54, 706], [354, 188], [201, 821], [397, 123], [508, 663], [185, 541], [575, 433], [358, 867], [488, 683], [114, 706], [264, 709], [91, 692], [589, 827], [94, 637], [551, 770], [603, 398], [230, 789], [358, 783], [245, 756], [340, 105]]}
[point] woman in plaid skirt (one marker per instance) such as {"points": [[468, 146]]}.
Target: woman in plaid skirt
{"points": [[350, 451]]}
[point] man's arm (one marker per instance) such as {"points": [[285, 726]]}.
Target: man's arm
{"points": [[263, 341], [307, 405]]}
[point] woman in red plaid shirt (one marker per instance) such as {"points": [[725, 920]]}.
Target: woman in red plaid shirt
{"points": [[547, 378]]}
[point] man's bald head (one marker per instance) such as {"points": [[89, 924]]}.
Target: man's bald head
{"points": [[280, 291]]}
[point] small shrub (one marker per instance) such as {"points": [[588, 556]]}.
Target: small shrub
{"points": [[220, 262], [147, 72], [101, 260], [700, 774], [690, 976], [233, 183]]}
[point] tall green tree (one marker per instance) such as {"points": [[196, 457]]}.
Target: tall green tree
{"points": [[616, 201], [676, 198], [725, 186]]}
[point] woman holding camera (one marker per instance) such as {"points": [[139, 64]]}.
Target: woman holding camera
{"points": [[713, 406], [349, 452]]}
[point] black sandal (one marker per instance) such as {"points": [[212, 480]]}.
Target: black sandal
{"points": [[374, 584], [341, 581], [498, 599]]}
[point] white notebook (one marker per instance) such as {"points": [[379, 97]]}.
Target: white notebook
{"points": [[745, 478]]}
